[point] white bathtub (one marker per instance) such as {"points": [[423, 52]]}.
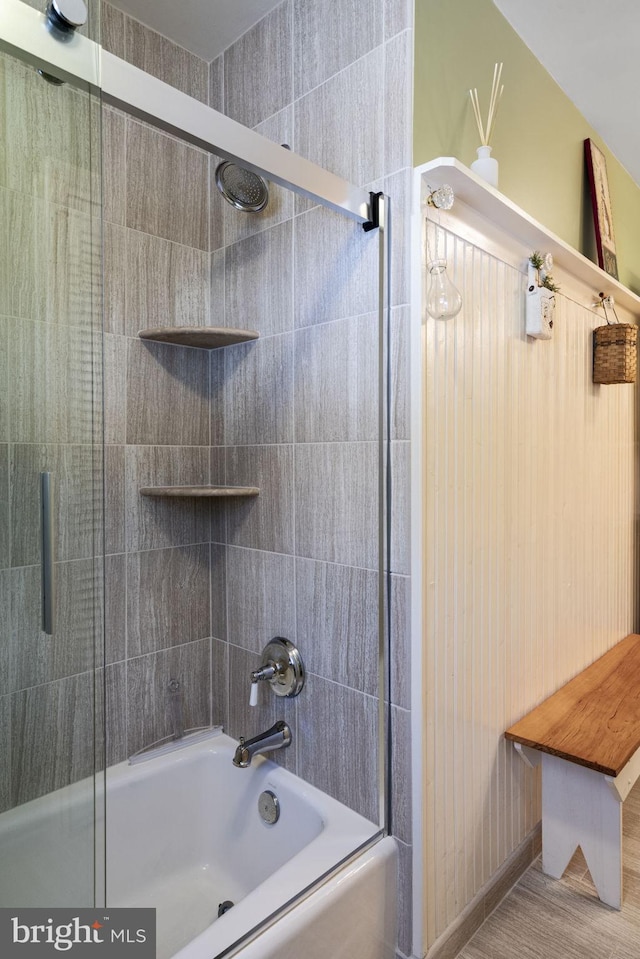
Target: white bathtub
{"points": [[184, 834]]}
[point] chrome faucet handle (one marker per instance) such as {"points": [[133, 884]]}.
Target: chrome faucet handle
{"points": [[282, 667]]}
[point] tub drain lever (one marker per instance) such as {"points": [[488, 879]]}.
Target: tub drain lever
{"points": [[282, 667]]}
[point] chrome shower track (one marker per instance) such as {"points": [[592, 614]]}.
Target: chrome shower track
{"points": [[83, 63]]}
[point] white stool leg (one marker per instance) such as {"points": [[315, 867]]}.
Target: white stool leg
{"points": [[579, 808]]}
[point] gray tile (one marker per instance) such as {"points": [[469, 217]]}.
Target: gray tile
{"points": [[405, 885], [265, 522], [258, 69], [398, 81], [218, 475], [218, 567], [260, 598], [114, 178], [115, 379], [337, 381], [330, 762], [400, 508], [167, 284], [336, 503], [517, 864], [216, 84], [5, 64], [398, 15], [400, 334], [218, 315], [337, 621], [460, 933], [35, 656], [398, 189], [259, 281], [115, 600], [4, 379], [5, 752], [258, 392], [5, 509], [167, 598], [344, 141], [149, 703], [167, 187], [5, 631], [238, 225], [167, 394], [112, 34], [51, 383], [51, 722], [114, 289], [155, 523], [37, 281], [219, 211], [336, 268], [48, 140], [114, 499], [219, 683], [76, 477], [115, 715], [545, 917], [162, 58], [330, 35], [401, 773], [400, 644]]}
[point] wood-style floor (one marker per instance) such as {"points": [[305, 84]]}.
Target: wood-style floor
{"points": [[544, 918]]}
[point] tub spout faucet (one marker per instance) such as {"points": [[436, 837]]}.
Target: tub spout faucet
{"points": [[277, 737]]}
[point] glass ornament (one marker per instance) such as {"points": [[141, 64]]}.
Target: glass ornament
{"points": [[443, 298]]}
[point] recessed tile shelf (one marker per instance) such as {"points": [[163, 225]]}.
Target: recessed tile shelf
{"points": [[203, 337], [213, 492]]}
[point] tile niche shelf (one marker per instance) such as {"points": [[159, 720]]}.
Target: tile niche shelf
{"points": [[205, 338], [499, 212], [200, 492]]}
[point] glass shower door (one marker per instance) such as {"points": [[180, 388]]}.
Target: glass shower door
{"points": [[51, 502]]}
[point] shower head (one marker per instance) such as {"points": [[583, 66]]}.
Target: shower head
{"points": [[241, 188]]}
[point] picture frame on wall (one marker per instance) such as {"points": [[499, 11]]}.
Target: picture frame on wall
{"points": [[596, 164]]}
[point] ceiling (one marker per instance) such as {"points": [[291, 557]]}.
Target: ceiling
{"points": [[592, 50], [206, 27]]}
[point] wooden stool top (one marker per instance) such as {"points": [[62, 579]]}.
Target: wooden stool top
{"points": [[593, 720]]}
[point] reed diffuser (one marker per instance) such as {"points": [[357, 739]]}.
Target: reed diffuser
{"points": [[486, 166]]}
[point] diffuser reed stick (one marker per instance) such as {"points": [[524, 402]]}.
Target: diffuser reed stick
{"points": [[496, 95]]}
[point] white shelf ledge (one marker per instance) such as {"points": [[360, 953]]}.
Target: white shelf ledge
{"points": [[475, 193]]}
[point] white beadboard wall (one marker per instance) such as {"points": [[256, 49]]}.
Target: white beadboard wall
{"points": [[529, 566]]}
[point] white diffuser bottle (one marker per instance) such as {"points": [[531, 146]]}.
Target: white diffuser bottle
{"points": [[486, 166]]}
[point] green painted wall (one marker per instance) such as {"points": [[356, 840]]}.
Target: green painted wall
{"points": [[539, 133]]}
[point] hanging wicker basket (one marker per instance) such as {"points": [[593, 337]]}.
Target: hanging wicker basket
{"points": [[615, 353]]}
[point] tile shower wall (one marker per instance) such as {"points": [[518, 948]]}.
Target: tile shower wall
{"points": [[49, 374], [294, 413], [157, 416]]}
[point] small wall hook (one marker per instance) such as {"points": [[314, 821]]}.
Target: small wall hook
{"points": [[607, 302]]}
